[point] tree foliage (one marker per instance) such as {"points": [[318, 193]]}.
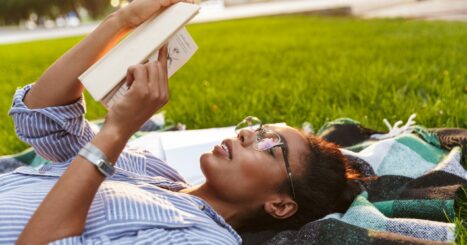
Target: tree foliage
{"points": [[13, 11]]}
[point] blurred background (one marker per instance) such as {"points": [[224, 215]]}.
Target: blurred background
{"points": [[26, 20], [33, 14]]}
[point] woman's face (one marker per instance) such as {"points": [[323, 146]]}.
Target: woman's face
{"points": [[242, 174]]}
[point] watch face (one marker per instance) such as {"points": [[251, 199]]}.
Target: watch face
{"points": [[105, 168]]}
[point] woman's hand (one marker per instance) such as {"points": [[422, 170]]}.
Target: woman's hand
{"points": [[148, 92], [65, 208], [138, 11]]}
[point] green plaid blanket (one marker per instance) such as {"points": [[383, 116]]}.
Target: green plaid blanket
{"points": [[418, 187]]}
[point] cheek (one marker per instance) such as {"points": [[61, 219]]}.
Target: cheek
{"points": [[260, 173], [243, 179]]}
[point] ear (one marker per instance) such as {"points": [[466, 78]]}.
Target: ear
{"points": [[281, 207]]}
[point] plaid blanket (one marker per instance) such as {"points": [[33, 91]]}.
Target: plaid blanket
{"points": [[416, 187]]}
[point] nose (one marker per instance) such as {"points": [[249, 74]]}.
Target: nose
{"points": [[246, 137]]}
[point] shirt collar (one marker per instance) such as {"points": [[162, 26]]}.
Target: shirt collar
{"points": [[207, 209]]}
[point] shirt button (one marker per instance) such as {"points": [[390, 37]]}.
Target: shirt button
{"points": [[202, 207]]}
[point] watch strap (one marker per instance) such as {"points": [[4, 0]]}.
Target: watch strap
{"points": [[94, 155]]}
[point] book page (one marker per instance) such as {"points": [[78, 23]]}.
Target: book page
{"points": [[181, 48], [115, 94]]}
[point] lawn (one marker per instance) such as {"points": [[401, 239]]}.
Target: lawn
{"points": [[293, 69]]}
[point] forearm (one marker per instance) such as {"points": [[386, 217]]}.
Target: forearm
{"points": [[63, 211], [59, 84], [65, 208]]}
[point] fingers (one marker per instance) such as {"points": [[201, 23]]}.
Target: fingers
{"points": [[137, 77], [158, 77], [163, 83], [152, 72], [140, 73], [129, 76], [163, 74], [163, 55], [151, 79]]}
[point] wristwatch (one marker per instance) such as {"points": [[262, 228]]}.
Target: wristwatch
{"points": [[91, 153]]}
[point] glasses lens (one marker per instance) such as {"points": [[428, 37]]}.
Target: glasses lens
{"points": [[266, 140], [250, 123]]}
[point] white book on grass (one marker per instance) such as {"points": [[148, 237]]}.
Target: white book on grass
{"points": [[104, 80]]}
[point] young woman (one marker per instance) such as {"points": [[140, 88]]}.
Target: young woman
{"points": [[97, 192]]}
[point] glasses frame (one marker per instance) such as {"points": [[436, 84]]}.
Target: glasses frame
{"points": [[262, 131]]}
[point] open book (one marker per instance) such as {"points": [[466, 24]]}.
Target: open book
{"points": [[105, 79]]}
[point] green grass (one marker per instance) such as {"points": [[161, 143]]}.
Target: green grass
{"points": [[461, 231], [460, 221], [293, 69]]}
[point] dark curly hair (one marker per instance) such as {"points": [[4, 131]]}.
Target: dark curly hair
{"points": [[327, 184]]}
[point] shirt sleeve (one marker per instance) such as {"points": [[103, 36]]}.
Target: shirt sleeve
{"points": [[56, 133], [152, 236]]}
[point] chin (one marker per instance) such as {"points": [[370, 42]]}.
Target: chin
{"points": [[210, 167], [204, 162]]}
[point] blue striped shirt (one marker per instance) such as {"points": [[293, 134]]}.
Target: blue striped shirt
{"points": [[140, 204]]}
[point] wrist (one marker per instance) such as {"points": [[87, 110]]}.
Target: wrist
{"points": [[115, 133], [119, 20], [126, 18], [111, 140], [116, 122], [95, 156]]}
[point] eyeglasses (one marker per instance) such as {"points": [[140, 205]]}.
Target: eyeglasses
{"points": [[266, 140]]}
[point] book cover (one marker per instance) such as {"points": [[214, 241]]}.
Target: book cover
{"points": [[104, 79]]}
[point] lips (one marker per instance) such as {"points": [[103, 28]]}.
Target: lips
{"points": [[218, 150], [227, 144], [224, 149]]}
